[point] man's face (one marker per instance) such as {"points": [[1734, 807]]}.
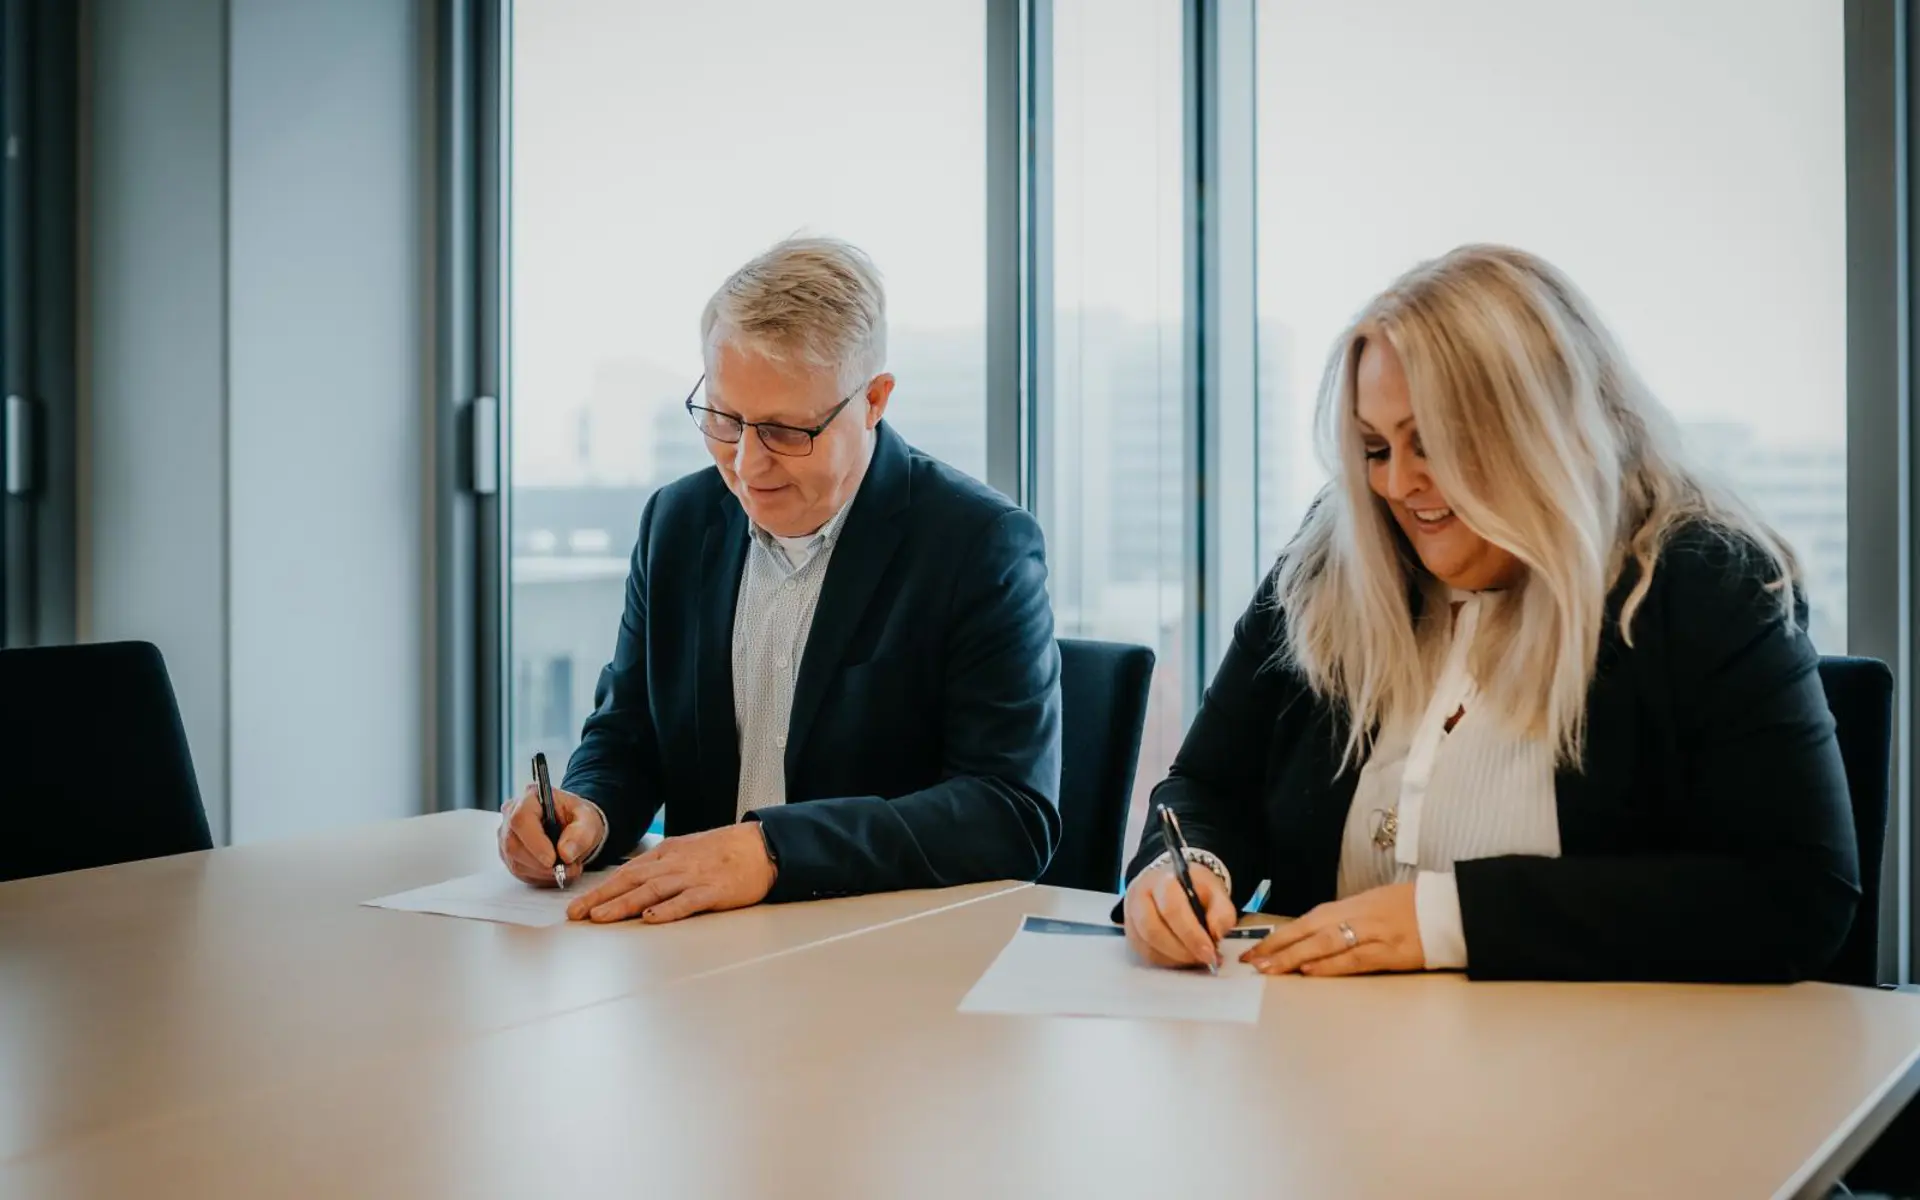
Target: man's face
{"points": [[788, 495]]}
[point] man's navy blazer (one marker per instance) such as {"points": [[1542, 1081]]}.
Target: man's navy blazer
{"points": [[924, 747]]}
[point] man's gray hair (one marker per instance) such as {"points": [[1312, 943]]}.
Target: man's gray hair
{"points": [[811, 301]]}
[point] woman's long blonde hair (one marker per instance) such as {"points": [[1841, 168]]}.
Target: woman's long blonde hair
{"points": [[1546, 443]]}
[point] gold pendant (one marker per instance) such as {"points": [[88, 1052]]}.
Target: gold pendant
{"points": [[1386, 827]]}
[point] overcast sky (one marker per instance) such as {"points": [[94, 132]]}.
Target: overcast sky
{"points": [[1683, 161]]}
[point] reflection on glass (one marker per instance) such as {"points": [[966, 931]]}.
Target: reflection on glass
{"points": [[1684, 163], [1115, 506], [655, 149]]}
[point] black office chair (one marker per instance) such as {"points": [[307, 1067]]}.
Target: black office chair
{"points": [[95, 759], [1860, 696], [1103, 709]]}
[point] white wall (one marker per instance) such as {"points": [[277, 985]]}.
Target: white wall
{"points": [[254, 488], [327, 443], [153, 478]]}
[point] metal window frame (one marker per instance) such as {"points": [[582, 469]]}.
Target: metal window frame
{"points": [[1880, 524], [1019, 266], [470, 422], [1869, 406], [1222, 393], [39, 407]]}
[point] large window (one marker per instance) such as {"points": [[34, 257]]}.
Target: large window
{"points": [[654, 149], [1684, 163], [1116, 499], [1119, 238]]}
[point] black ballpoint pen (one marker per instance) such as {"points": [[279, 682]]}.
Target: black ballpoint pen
{"points": [[1177, 848], [549, 817]]}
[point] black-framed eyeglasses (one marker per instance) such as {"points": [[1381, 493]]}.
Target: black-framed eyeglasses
{"points": [[793, 441]]}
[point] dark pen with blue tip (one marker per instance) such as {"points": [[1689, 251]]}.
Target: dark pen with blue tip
{"points": [[1177, 846]]}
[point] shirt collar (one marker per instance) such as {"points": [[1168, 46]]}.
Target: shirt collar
{"points": [[1462, 595]]}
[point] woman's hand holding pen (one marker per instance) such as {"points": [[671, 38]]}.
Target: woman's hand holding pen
{"points": [[1161, 926], [524, 846]]}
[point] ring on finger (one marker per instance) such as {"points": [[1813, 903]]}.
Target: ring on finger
{"points": [[1346, 931]]}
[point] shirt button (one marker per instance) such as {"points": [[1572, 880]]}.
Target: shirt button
{"points": [[780, 742], [787, 586], [784, 660]]}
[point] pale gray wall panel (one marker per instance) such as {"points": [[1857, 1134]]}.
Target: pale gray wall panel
{"points": [[154, 481], [327, 436]]}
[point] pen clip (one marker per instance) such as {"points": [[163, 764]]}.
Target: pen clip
{"points": [[1170, 831], [543, 785]]}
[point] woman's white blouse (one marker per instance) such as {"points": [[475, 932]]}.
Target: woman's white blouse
{"points": [[1477, 791]]}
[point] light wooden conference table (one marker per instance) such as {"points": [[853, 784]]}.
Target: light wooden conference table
{"points": [[234, 1024]]}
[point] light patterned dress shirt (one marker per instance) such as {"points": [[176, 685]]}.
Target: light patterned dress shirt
{"points": [[772, 616]]}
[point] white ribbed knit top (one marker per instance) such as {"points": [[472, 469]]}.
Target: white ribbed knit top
{"points": [[1477, 791]]}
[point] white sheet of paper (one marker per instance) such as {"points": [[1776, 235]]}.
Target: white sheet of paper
{"points": [[492, 896], [1074, 968]]}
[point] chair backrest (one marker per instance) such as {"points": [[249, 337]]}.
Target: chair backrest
{"points": [[96, 760], [1103, 709], [1860, 696]]}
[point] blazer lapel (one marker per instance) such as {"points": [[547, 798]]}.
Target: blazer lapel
{"points": [[860, 559], [723, 557]]}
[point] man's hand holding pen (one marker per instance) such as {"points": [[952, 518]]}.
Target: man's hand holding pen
{"points": [[527, 850]]}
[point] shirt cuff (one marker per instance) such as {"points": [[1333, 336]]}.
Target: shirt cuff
{"points": [[605, 829], [1436, 906], [1206, 859]]}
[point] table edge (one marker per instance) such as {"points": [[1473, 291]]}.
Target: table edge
{"points": [[1829, 1162]]}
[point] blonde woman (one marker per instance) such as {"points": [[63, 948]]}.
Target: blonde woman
{"points": [[1525, 696]]}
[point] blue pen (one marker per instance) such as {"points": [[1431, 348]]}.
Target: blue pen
{"points": [[1258, 898]]}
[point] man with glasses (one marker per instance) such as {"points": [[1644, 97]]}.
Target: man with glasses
{"points": [[836, 671]]}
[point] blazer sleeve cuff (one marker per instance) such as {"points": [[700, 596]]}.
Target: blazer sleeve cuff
{"points": [[1436, 906], [797, 858]]}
